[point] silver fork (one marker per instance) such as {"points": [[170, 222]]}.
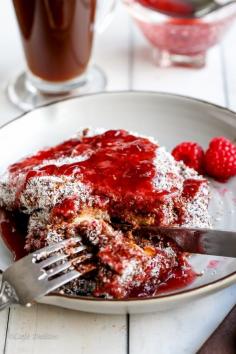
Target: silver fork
{"points": [[43, 271]]}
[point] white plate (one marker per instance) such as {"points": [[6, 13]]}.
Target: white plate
{"points": [[169, 118]]}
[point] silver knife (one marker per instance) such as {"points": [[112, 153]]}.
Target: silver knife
{"points": [[202, 241]]}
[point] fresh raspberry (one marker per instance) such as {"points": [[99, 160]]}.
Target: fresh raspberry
{"points": [[191, 154], [220, 159]]}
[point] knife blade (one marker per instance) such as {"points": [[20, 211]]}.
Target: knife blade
{"points": [[201, 241]]}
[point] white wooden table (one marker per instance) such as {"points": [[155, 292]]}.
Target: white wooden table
{"points": [[126, 57]]}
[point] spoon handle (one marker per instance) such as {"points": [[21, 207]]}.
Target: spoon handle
{"points": [[213, 6]]}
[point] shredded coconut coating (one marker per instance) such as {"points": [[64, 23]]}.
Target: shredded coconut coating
{"points": [[41, 196]]}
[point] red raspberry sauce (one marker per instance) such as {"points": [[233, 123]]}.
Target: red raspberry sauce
{"points": [[178, 7], [13, 232], [183, 36], [117, 165]]}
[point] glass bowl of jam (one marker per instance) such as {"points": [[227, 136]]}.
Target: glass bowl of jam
{"points": [[178, 40]]}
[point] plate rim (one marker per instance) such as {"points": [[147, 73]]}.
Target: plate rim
{"points": [[187, 293], [114, 92]]}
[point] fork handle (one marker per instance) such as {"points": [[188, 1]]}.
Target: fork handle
{"points": [[7, 295]]}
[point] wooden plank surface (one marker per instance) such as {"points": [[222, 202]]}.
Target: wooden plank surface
{"points": [[182, 330], [112, 51], [206, 83], [3, 328], [45, 329], [11, 58], [228, 53]]}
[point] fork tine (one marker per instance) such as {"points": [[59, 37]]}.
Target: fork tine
{"points": [[56, 247], [53, 271], [53, 259], [63, 279], [77, 249], [30, 278], [82, 258], [69, 276]]}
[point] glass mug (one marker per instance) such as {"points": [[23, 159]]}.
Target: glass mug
{"points": [[57, 37]]}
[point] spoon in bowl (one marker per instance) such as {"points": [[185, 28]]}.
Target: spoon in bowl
{"points": [[186, 8]]}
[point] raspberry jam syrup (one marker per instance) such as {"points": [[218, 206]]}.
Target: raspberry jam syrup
{"points": [[176, 7], [114, 153], [178, 40], [13, 229], [13, 232]]}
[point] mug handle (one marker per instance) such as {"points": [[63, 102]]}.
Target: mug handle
{"points": [[105, 10]]}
